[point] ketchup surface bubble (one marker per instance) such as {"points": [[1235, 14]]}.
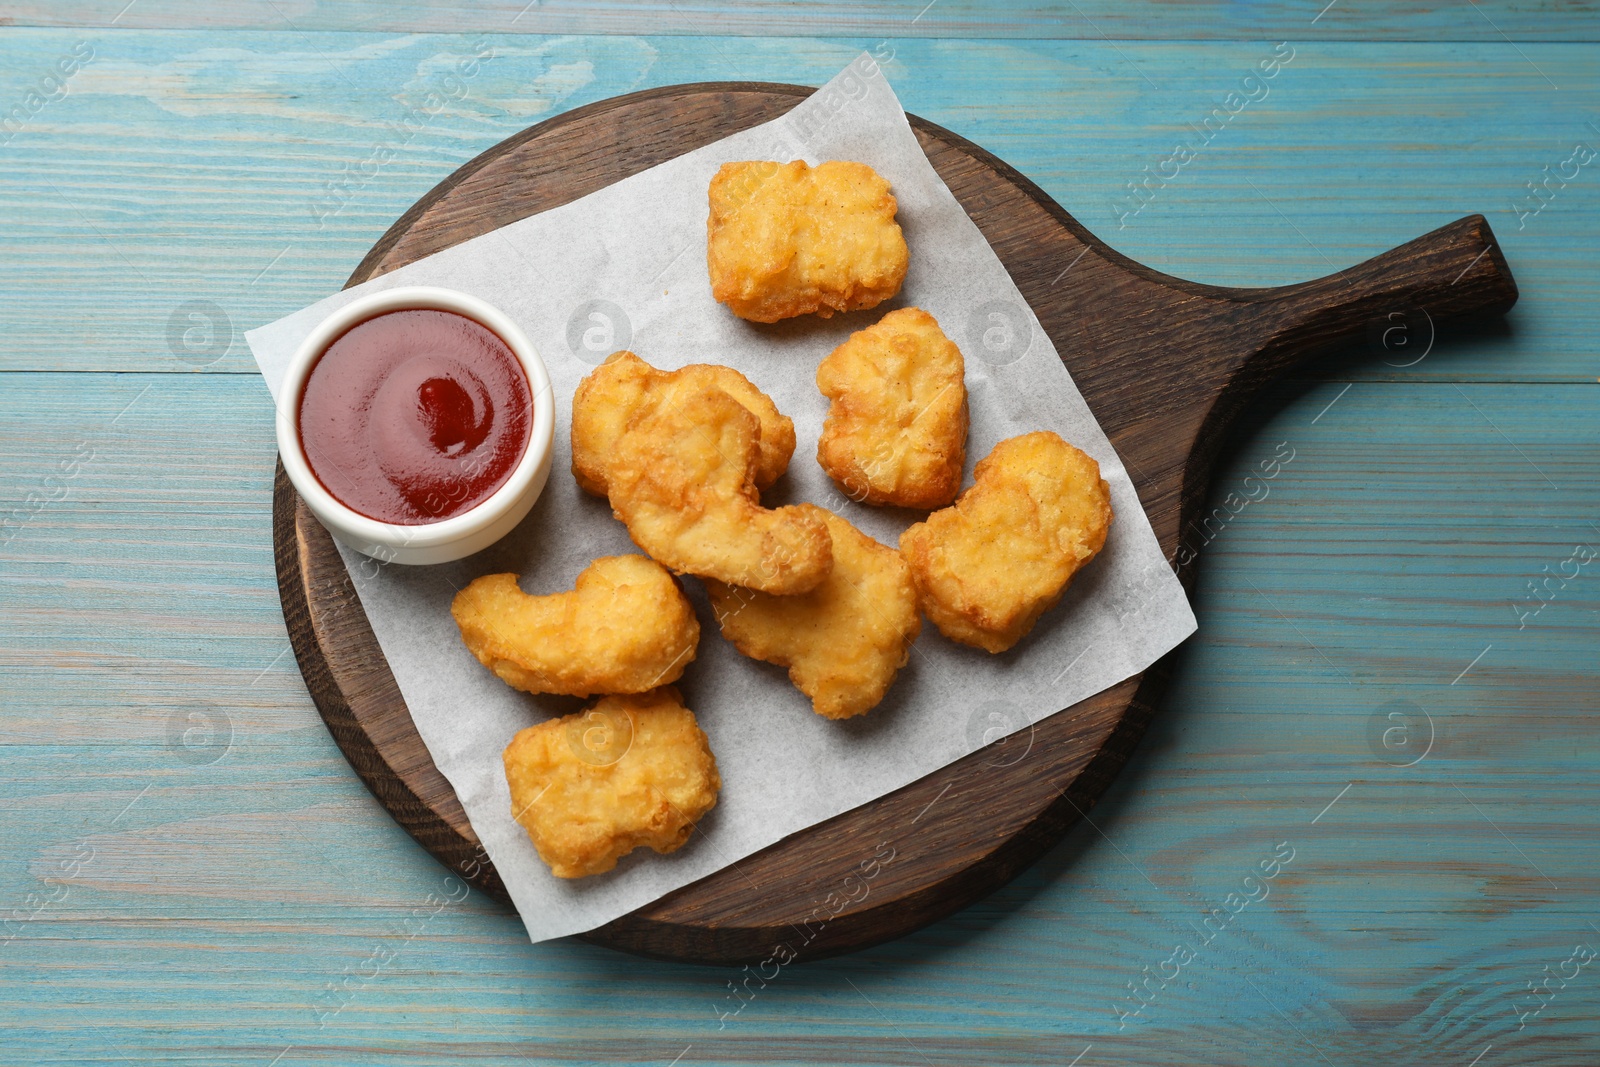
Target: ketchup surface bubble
{"points": [[415, 416]]}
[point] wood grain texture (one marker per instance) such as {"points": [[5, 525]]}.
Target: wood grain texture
{"points": [[232, 899], [1095, 20], [1165, 364], [227, 899], [235, 136]]}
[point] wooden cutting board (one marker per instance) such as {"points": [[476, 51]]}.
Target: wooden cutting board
{"points": [[1166, 366]]}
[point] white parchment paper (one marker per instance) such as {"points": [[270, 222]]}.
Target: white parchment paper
{"points": [[626, 267]]}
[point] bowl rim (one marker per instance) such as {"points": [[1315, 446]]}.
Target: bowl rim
{"points": [[422, 535]]}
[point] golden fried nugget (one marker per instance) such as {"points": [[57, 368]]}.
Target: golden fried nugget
{"points": [[625, 387], [987, 567], [897, 429], [593, 786], [624, 628], [683, 480], [844, 641], [787, 239]]}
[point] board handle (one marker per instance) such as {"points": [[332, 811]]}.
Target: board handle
{"points": [[1454, 272]]}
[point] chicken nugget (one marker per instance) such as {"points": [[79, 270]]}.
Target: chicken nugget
{"points": [[988, 566], [624, 628], [683, 481], [625, 387], [844, 641], [788, 239], [896, 431], [593, 786]]}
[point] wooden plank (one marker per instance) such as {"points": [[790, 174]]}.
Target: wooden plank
{"points": [[223, 904], [1496, 20], [108, 594], [234, 137], [111, 603], [145, 579]]}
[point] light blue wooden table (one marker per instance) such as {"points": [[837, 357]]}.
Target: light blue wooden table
{"points": [[191, 874]]}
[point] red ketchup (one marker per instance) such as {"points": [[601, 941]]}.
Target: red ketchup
{"points": [[415, 416]]}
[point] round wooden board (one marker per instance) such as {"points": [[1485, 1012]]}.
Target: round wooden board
{"points": [[1164, 364]]}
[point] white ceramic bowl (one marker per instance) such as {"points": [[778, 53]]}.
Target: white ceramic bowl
{"points": [[434, 542]]}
